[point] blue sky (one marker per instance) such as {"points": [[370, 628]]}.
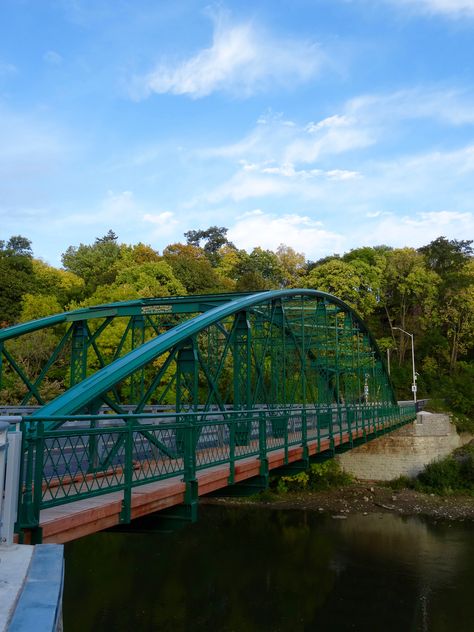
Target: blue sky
{"points": [[322, 124]]}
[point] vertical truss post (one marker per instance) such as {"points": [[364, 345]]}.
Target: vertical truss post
{"points": [[187, 377], [262, 445], [186, 386], [126, 512], [277, 358], [137, 384], [30, 494], [79, 352], [241, 376], [191, 494], [277, 341], [304, 368], [337, 369]]}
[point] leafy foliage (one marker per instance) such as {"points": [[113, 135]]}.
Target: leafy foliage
{"points": [[428, 292], [318, 477]]}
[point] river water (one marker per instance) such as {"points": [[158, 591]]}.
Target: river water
{"points": [[252, 569]]}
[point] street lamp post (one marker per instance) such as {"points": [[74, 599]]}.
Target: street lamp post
{"points": [[413, 386]]}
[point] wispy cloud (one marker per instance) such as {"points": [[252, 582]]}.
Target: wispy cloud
{"points": [[165, 223], [413, 230], [242, 59], [361, 123], [267, 230], [451, 8], [315, 160]]}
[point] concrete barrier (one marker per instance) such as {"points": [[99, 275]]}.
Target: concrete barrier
{"points": [[39, 606]]}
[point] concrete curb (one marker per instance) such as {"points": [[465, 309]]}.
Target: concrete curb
{"points": [[39, 607]]}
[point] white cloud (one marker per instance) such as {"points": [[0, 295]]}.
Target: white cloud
{"points": [[119, 204], [242, 59], [447, 105], [453, 8], [413, 230], [161, 219], [298, 231], [363, 122]]}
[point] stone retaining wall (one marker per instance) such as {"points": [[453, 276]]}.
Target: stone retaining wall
{"points": [[406, 451]]}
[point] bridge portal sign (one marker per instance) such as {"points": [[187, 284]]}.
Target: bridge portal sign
{"points": [[157, 309]]}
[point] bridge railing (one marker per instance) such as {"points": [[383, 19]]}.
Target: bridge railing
{"points": [[92, 455]]}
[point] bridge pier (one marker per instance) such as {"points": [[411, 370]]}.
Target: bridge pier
{"points": [[404, 452]]}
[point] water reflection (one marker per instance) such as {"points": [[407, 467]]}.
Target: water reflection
{"points": [[254, 570]]}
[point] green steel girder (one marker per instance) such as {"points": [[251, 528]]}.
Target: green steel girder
{"points": [[141, 307], [271, 351], [150, 315]]}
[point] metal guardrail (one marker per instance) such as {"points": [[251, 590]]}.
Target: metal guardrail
{"points": [[4, 426], [73, 462], [10, 458]]}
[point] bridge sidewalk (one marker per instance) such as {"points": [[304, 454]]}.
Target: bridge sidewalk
{"points": [[84, 517]]}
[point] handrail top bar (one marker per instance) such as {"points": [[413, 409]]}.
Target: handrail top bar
{"points": [[208, 413]]}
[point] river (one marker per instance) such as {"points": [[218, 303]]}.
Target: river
{"points": [[251, 569]]}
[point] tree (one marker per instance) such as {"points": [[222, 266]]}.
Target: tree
{"points": [[62, 285], [15, 276], [214, 238], [342, 280], [293, 265], [151, 279], [409, 293], [140, 253], [445, 256], [457, 316], [192, 267], [96, 263], [259, 270]]}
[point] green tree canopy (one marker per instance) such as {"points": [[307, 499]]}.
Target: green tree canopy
{"points": [[96, 264], [214, 238], [192, 268], [16, 276]]}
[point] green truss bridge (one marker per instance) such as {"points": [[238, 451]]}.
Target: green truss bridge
{"points": [[164, 400]]}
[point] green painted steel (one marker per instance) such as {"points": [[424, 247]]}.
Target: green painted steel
{"points": [[149, 315], [285, 322], [134, 450], [236, 376]]}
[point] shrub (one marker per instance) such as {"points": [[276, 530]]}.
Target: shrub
{"points": [[441, 476], [319, 476], [402, 482], [327, 474], [455, 473]]}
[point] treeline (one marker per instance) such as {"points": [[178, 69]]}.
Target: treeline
{"points": [[428, 292]]}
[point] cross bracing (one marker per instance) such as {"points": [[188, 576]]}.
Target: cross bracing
{"points": [[190, 383]]}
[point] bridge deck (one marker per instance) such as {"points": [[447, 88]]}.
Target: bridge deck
{"points": [[84, 517]]}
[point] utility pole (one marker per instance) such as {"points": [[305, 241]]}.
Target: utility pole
{"points": [[415, 374]]}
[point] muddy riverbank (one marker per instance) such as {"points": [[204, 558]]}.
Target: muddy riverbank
{"points": [[361, 498]]}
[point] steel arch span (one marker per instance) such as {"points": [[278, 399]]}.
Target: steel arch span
{"points": [[240, 385], [273, 349]]}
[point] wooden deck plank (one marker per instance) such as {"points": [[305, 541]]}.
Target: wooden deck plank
{"points": [[83, 517]]}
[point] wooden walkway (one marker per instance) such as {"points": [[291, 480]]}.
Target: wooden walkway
{"points": [[84, 517]]}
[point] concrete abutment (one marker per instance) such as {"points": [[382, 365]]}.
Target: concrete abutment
{"points": [[406, 451]]}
